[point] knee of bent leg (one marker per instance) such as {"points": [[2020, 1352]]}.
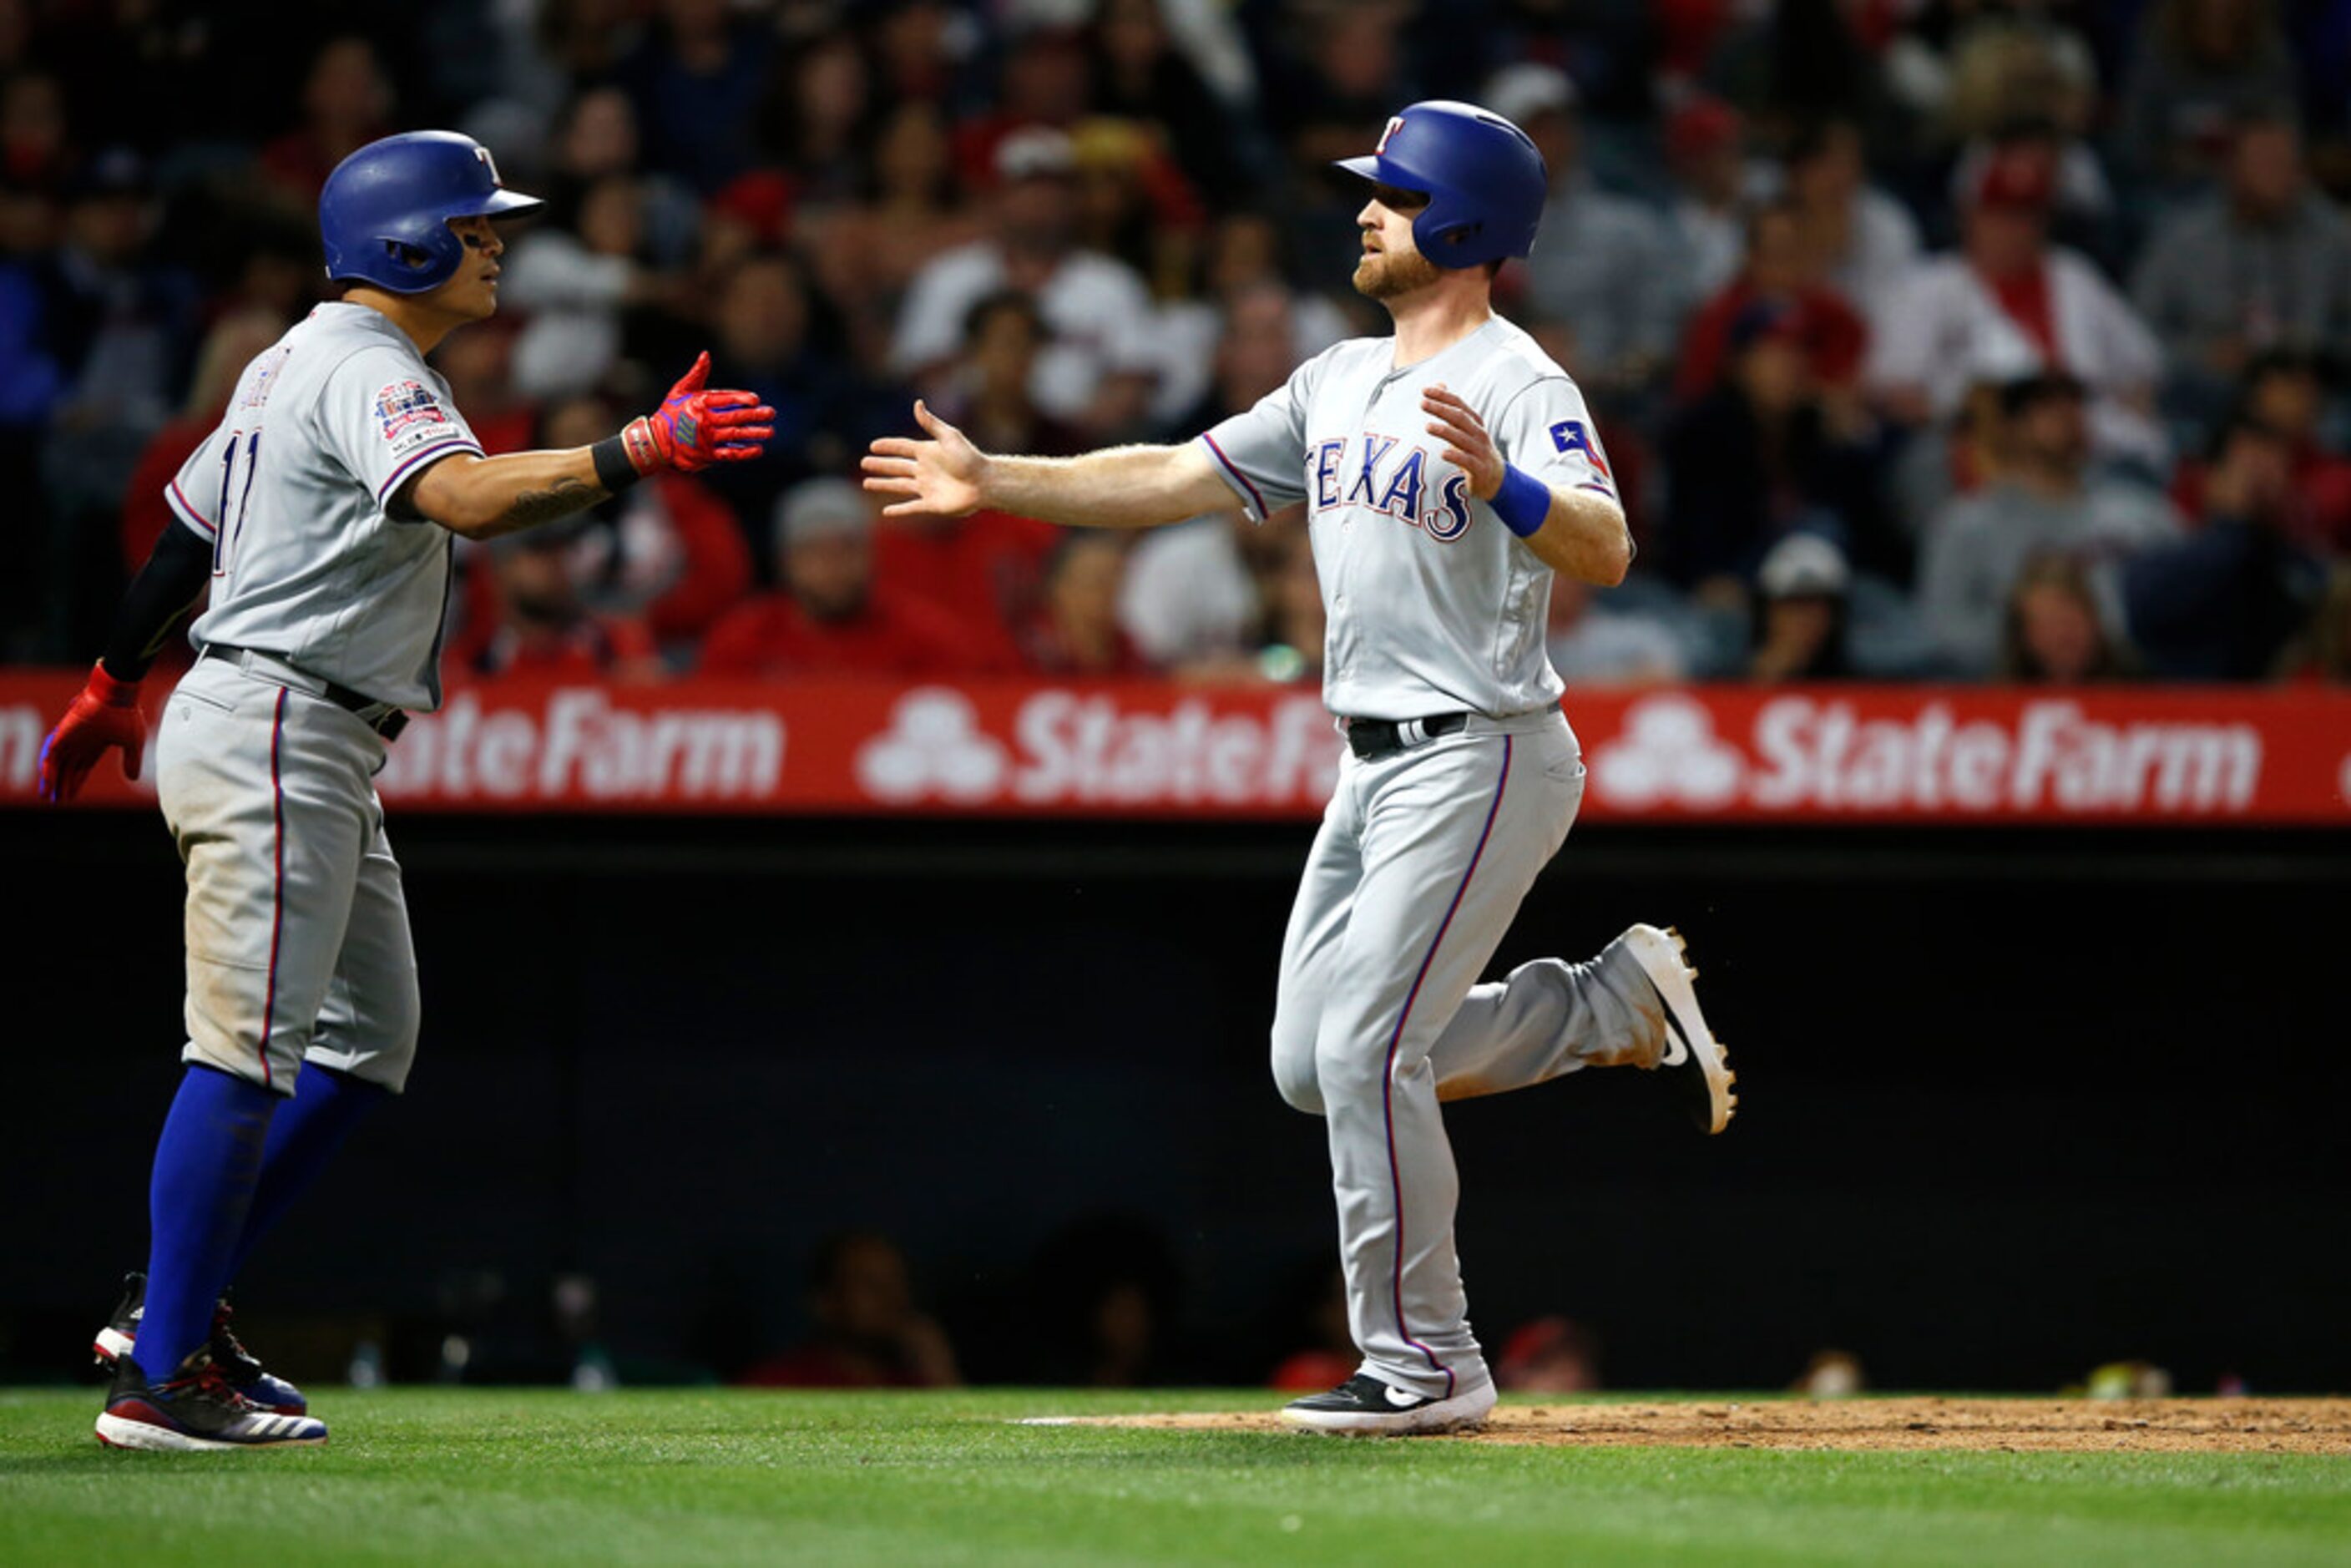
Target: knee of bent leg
{"points": [[1350, 1066], [1293, 1065]]}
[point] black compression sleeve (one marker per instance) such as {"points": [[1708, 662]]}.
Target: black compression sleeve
{"points": [[160, 597]]}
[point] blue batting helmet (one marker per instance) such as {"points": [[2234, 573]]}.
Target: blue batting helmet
{"points": [[1483, 177], [384, 213]]}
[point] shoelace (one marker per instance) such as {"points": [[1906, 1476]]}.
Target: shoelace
{"points": [[212, 1381], [224, 1337]]}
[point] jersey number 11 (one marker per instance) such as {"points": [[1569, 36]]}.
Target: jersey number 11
{"points": [[224, 528]]}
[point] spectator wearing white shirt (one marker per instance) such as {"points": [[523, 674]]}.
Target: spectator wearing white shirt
{"points": [[1195, 598], [575, 286], [1864, 239], [1709, 215], [1096, 371], [2008, 304]]}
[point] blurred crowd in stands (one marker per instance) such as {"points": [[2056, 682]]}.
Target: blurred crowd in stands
{"points": [[1928, 339]]}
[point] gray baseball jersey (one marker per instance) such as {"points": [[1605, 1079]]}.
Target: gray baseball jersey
{"points": [[1432, 604], [297, 943], [293, 490], [1434, 607]]}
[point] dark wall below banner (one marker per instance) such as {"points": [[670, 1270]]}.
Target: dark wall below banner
{"points": [[2011, 1106]]}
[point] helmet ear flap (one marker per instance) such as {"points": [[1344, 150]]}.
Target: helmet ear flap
{"points": [[405, 254], [1443, 230]]}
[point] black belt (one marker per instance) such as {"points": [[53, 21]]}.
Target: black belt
{"points": [[388, 722], [1372, 738]]}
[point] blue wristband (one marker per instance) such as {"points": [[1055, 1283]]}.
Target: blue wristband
{"points": [[1523, 501]]}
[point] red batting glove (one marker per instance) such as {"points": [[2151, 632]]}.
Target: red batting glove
{"points": [[694, 428], [105, 715]]}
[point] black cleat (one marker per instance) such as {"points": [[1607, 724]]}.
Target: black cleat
{"points": [[1365, 1406], [194, 1412], [239, 1365], [1693, 1065]]}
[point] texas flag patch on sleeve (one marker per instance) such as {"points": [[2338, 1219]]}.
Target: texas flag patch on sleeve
{"points": [[1572, 436]]}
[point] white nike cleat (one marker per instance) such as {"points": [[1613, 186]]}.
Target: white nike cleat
{"points": [[1363, 1406], [1694, 1062]]}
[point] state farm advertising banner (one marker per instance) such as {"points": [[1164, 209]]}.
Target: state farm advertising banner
{"points": [[1862, 754]]}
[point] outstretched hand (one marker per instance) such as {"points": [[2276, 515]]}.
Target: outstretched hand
{"points": [[1468, 446], [695, 426], [938, 477]]}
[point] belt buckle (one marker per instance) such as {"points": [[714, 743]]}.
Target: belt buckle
{"points": [[1372, 738]]}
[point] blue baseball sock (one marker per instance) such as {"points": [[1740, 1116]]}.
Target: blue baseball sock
{"points": [[206, 1164], [308, 1131]]}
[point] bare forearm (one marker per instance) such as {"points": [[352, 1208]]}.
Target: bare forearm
{"points": [[1117, 487], [1584, 537], [481, 497]]}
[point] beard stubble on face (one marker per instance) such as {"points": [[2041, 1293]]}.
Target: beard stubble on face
{"points": [[1386, 274]]}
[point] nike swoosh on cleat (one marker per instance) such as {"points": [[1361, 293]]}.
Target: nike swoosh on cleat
{"points": [[1402, 1398], [1678, 1046]]}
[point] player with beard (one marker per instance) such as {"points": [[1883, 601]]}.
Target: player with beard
{"points": [[1449, 471]]}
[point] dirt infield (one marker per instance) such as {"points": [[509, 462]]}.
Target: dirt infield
{"points": [[2003, 1425]]}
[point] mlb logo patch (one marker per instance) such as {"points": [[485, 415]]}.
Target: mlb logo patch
{"points": [[403, 405]]}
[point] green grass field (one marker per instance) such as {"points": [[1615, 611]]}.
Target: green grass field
{"points": [[704, 1477]]}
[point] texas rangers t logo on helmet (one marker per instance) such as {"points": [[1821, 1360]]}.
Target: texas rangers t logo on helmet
{"points": [[488, 162], [1396, 123]]}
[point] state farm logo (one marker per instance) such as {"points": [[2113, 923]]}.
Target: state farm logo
{"points": [[1809, 754], [1064, 747], [1669, 753], [932, 746], [584, 746]]}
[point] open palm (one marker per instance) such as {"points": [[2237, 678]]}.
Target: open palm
{"points": [[936, 478]]}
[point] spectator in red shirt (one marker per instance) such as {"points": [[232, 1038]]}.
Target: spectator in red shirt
{"points": [[1075, 631], [2322, 653], [227, 349], [666, 550], [983, 570], [543, 628], [2009, 304], [833, 616], [1779, 268], [869, 1332], [2282, 391]]}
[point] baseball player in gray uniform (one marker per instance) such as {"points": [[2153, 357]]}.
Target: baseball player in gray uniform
{"points": [[321, 517], [1448, 473]]}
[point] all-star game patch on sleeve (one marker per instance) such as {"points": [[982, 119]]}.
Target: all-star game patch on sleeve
{"points": [[389, 419], [1261, 452], [1547, 431]]}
